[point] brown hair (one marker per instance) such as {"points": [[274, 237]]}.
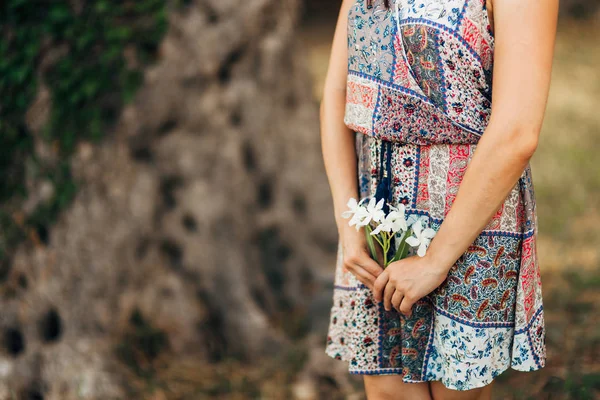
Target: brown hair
{"points": [[385, 2]]}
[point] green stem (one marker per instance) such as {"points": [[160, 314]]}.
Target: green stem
{"points": [[385, 258], [378, 240], [387, 248]]}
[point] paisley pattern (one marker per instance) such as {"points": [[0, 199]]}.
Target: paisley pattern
{"points": [[422, 56], [420, 77]]}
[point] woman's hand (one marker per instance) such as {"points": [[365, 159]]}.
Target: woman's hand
{"points": [[357, 258], [405, 281]]}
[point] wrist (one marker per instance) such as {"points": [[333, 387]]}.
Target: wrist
{"points": [[440, 265], [344, 229]]}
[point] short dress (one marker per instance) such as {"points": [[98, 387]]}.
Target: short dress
{"points": [[418, 99]]}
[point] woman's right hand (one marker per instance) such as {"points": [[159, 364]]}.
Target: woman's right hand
{"points": [[357, 258]]}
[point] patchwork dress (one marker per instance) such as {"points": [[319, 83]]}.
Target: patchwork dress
{"points": [[418, 99]]}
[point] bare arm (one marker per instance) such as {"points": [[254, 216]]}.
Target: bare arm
{"points": [[337, 140], [525, 32], [339, 154]]}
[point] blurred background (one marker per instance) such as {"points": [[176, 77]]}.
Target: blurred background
{"points": [[166, 223]]}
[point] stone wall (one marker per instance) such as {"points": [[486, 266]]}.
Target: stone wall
{"points": [[200, 223]]}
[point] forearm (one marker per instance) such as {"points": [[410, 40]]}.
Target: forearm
{"points": [[339, 153], [524, 45], [497, 164]]}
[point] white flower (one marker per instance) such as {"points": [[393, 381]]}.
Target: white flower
{"points": [[394, 221], [357, 212], [398, 214], [384, 226], [374, 211], [353, 206], [422, 237]]}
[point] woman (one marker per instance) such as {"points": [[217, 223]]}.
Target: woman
{"points": [[408, 94]]}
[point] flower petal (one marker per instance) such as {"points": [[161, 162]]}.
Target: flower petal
{"points": [[365, 221], [429, 233], [377, 230], [412, 218], [413, 241], [352, 203], [347, 214], [417, 228], [371, 204]]}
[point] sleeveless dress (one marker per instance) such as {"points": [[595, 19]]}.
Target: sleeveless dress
{"points": [[418, 99]]}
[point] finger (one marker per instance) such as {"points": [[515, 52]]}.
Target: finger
{"points": [[387, 295], [406, 306], [380, 283], [364, 276], [370, 265], [397, 299]]}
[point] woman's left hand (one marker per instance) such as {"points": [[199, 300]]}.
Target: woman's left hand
{"points": [[403, 282]]}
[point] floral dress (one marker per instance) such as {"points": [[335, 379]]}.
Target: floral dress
{"points": [[418, 99]]}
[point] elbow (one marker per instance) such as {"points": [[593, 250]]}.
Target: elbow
{"points": [[531, 145], [524, 141], [518, 134]]}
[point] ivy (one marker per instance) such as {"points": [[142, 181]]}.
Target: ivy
{"points": [[90, 56]]}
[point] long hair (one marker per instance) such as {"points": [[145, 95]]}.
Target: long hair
{"points": [[385, 2]]}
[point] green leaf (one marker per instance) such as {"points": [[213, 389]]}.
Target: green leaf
{"points": [[403, 247], [370, 242], [88, 85]]}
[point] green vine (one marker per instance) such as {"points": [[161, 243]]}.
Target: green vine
{"points": [[89, 55]]}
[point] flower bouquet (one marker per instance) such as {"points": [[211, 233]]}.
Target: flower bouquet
{"points": [[384, 228]]}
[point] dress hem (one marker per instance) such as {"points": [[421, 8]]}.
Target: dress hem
{"points": [[398, 371]]}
